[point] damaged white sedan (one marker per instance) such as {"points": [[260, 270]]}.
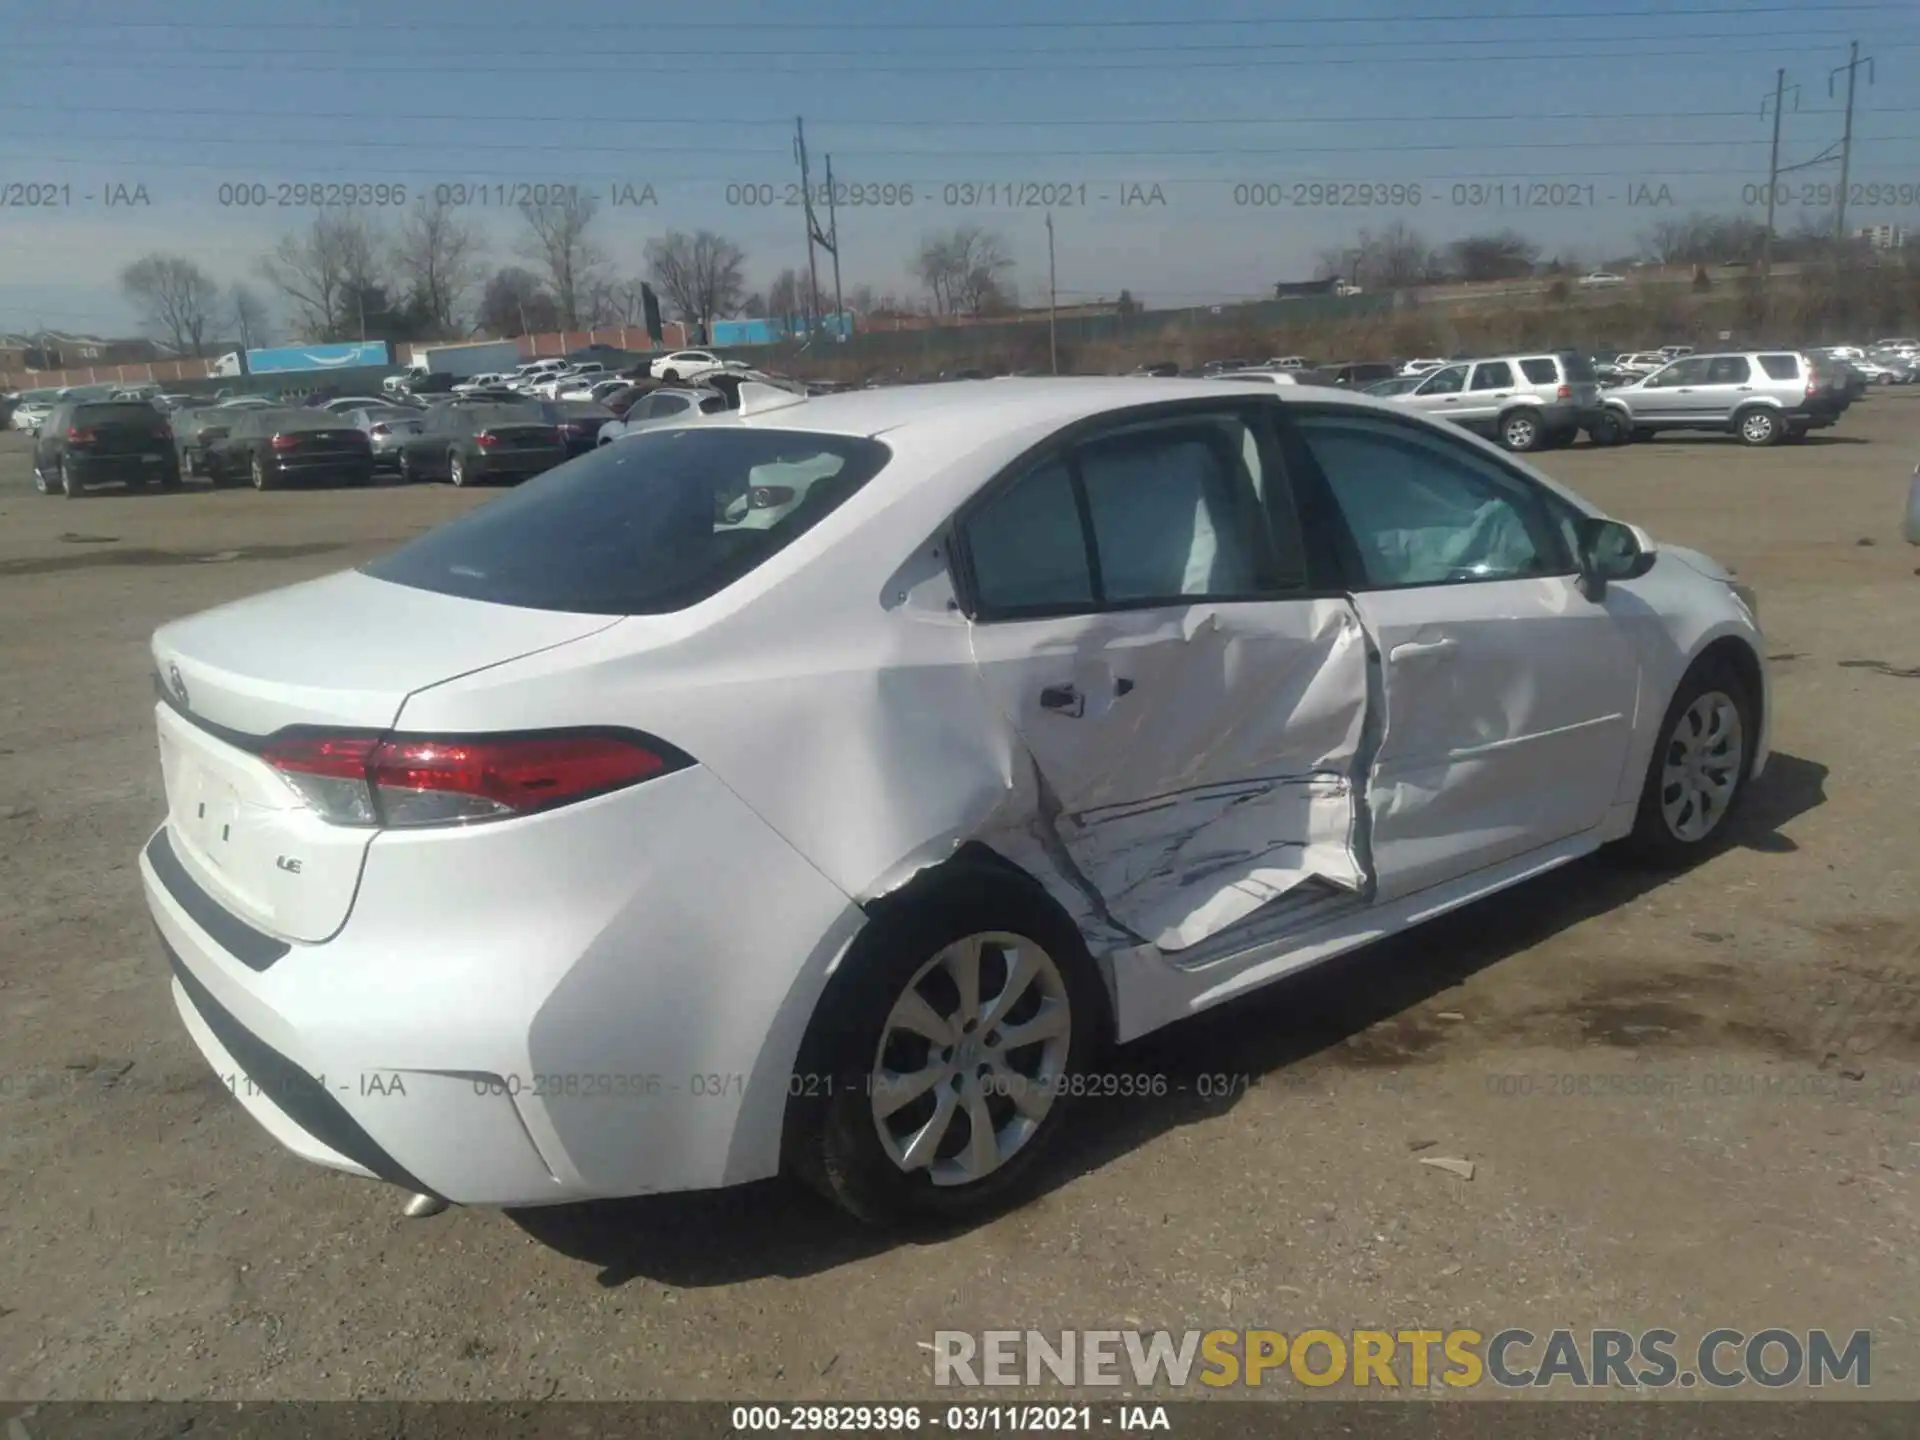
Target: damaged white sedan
{"points": [[820, 785]]}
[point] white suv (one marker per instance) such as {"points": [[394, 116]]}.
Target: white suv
{"points": [[1526, 402]]}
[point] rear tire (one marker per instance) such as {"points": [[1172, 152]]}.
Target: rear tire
{"points": [[1610, 430], [880, 1167], [70, 485], [1521, 432], [1697, 774], [40, 481], [261, 480], [457, 470], [1758, 428]]}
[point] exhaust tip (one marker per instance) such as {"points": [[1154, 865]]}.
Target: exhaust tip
{"points": [[420, 1207]]}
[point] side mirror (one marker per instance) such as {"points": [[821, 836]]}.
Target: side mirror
{"points": [[1610, 550]]}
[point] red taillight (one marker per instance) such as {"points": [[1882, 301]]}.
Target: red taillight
{"points": [[486, 440], [1565, 392], [380, 430], [165, 432], [77, 436], [285, 442], [358, 780]]}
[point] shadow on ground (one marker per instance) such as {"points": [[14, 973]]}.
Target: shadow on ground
{"points": [[776, 1228]]}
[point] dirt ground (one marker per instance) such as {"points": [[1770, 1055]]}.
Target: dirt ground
{"points": [[1689, 1104]]}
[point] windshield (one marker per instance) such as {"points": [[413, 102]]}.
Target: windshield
{"points": [[656, 523]]}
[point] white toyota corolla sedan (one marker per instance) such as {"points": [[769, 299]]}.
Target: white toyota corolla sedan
{"points": [[820, 785]]}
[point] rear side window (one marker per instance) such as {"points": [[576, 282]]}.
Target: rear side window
{"points": [[1162, 512], [1540, 372], [654, 524], [127, 412], [1781, 367]]}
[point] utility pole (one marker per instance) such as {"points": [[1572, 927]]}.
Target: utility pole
{"points": [[1053, 334], [1773, 166], [831, 243], [1852, 67], [813, 230]]}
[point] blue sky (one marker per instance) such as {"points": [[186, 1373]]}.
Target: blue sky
{"points": [[1218, 103]]}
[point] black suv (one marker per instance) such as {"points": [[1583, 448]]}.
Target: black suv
{"points": [[87, 442], [270, 448], [468, 443]]}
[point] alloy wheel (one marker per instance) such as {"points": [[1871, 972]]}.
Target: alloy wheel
{"points": [[1757, 428], [971, 1057], [1700, 769], [1520, 432]]}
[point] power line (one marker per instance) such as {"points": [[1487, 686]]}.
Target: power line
{"points": [[971, 153], [1189, 22], [1213, 122], [456, 174], [1070, 50], [628, 69]]}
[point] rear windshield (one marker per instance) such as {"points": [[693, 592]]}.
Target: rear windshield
{"points": [[122, 412], [656, 523], [1579, 369]]}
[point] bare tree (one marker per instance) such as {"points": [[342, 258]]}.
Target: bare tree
{"points": [[559, 243], [513, 302], [328, 273], [787, 295], [701, 275], [436, 257], [174, 297], [1704, 240], [1503, 256], [965, 271], [249, 314]]}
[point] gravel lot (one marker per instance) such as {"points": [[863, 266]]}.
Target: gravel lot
{"points": [[1690, 1104]]}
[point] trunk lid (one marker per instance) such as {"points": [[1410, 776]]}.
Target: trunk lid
{"points": [[524, 437], [342, 652]]}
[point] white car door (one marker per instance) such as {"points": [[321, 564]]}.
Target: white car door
{"points": [[1509, 695], [1441, 394], [1143, 616]]}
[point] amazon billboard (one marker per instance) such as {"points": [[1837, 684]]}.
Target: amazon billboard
{"points": [[285, 358]]}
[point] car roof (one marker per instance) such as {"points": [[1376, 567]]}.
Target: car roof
{"points": [[1016, 402]]}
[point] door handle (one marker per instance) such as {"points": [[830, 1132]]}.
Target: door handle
{"points": [[1415, 649], [1064, 700], [1745, 388]]}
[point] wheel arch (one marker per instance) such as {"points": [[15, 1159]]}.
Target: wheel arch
{"points": [[975, 870], [1738, 656]]}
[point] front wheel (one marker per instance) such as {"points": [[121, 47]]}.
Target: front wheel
{"points": [[1698, 771], [946, 1056]]}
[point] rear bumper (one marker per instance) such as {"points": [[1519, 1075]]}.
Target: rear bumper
{"points": [[600, 1024], [301, 467], [125, 467], [511, 465]]}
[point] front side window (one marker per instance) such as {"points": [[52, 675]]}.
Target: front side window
{"points": [[1494, 375], [1448, 381], [1425, 510]]}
